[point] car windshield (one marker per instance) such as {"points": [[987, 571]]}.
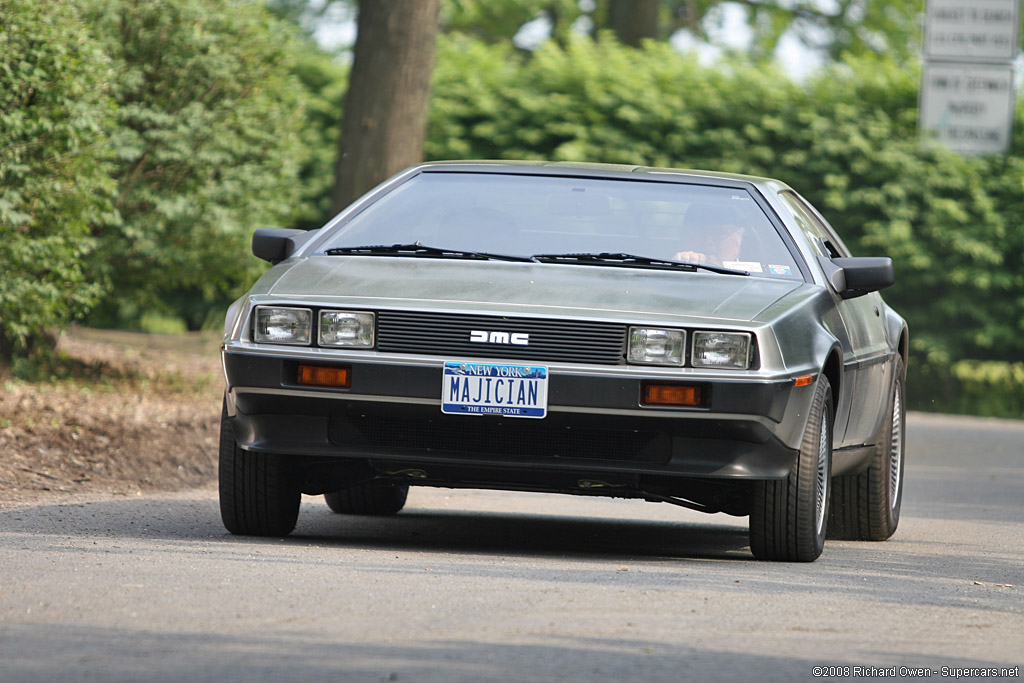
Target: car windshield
{"points": [[526, 215]]}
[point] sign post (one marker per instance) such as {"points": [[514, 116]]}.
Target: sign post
{"points": [[967, 95]]}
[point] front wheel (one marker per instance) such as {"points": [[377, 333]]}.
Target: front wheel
{"points": [[787, 517], [866, 506], [258, 494]]}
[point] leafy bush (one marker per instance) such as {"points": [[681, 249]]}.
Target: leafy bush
{"points": [[207, 146], [140, 144], [54, 106]]}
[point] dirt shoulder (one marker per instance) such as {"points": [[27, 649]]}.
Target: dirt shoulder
{"points": [[129, 413]]}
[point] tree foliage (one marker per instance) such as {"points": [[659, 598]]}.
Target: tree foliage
{"points": [[206, 145], [831, 30], [140, 143], [54, 106], [324, 81]]}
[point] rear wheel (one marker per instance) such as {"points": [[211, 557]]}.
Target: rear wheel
{"points": [[258, 492], [787, 517], [377, 497], [866, 506]]}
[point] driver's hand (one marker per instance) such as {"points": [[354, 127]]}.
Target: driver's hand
{"points": [[691, 257]]}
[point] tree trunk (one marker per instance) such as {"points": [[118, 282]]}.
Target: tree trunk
{"points": [[385, 116], [634, 20]]}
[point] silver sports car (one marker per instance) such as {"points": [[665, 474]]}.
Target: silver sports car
{"points": [[687, 337]]}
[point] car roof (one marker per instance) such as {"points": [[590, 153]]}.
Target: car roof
{"points": [[599, 170]]}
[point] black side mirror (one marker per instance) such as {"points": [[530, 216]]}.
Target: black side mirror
{"points": [[277, 244], [856, 276]]}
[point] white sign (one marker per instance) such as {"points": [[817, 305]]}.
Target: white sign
{"points": [[969, 107], [982, 30]]}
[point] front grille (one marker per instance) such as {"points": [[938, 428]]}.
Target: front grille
{"points": [[524, 439], [550, 340]]}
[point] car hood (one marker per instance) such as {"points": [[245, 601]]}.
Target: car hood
{"points": [[520, 288]]}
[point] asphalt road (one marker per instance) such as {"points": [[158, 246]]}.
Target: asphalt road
{"points": [[485, 586]]}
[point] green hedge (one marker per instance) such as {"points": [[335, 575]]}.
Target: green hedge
{"points": [[847, 140], [988, 388]]}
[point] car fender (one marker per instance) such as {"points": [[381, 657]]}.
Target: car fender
{"points": [[231, 317]]}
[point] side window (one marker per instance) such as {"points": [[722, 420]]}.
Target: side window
{"points": [[819, 233]]}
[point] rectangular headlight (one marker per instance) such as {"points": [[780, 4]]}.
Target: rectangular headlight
{"points": [[729, 350], [346, 328], [653, 346], [281, 325]]}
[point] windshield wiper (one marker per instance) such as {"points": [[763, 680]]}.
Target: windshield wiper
{"points": [[632, 261], [422, 251]]}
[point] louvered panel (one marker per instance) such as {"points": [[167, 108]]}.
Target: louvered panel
{"points": [[549, 340]]}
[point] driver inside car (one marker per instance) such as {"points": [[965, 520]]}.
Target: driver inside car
{"points": [[715, 246]]}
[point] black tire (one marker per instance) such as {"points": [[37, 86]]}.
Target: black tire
{"points": [[866, 506], [258, 494], [788, 518], [377, 497]]}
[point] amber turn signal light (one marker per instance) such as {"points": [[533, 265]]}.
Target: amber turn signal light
{"points": [[324, 376], [685, 395]]}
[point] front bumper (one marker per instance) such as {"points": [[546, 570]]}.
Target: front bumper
{"points": [[749, 428]]}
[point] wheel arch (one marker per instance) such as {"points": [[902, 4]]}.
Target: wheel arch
{"points": [[833, 372], [898, 334]]}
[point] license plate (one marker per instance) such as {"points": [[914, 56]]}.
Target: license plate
{"points": [[494, 389]]}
